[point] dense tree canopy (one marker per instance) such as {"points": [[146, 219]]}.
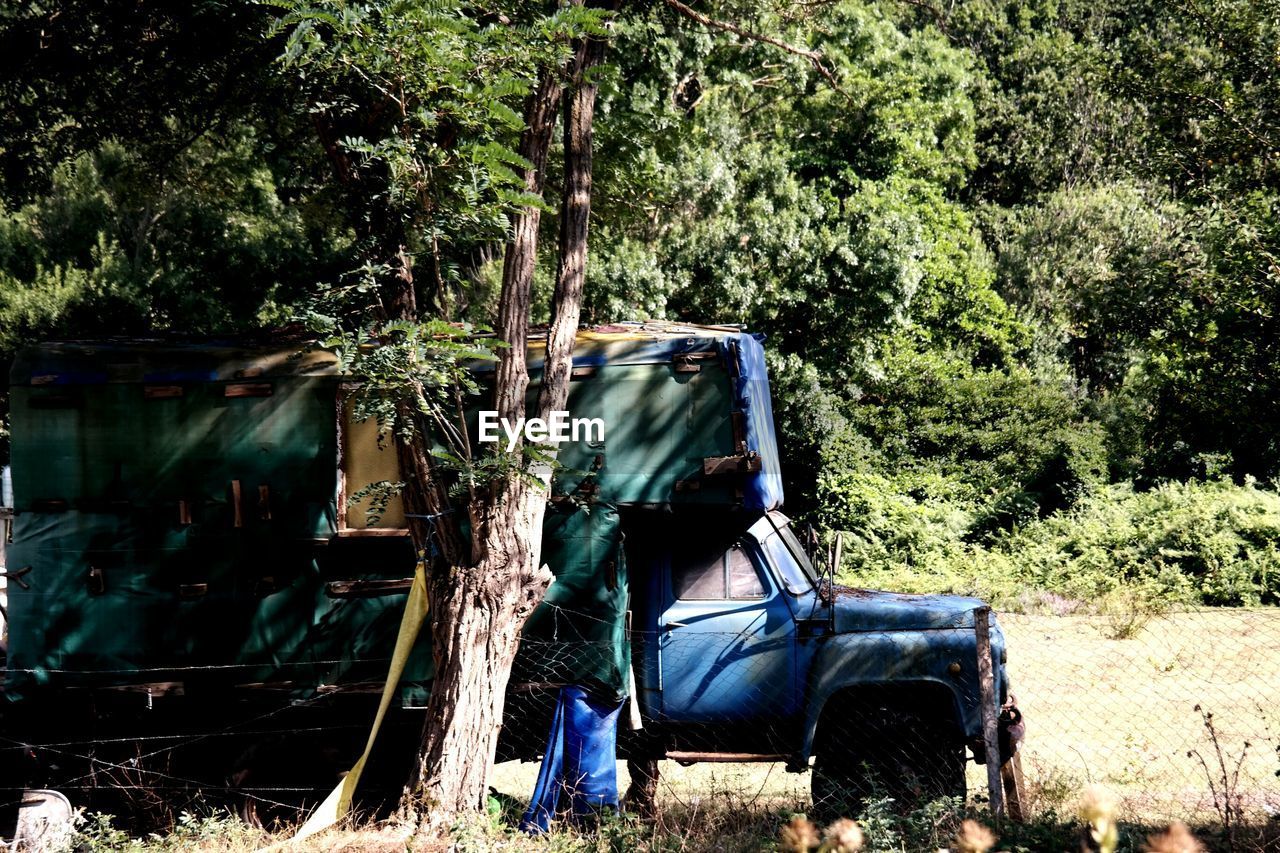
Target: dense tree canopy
{"points": [[1005, 251]]}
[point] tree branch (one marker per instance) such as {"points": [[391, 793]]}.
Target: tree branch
{"points": [[939, 17], [815, 57], [575, 216]]}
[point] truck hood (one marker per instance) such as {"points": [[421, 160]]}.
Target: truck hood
{"points": [[873, 610]]}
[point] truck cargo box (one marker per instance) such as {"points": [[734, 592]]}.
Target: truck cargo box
{"points": [[184, 507]]}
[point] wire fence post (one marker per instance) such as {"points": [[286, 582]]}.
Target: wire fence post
{"points": [[987, 700]]}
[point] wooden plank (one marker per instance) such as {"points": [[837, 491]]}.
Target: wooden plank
{"points": [[359, 532], [354, 687], [264, 503], [154, 688], [235, 503], [687, 362], [340, 427], [367, 588], [161, 392], [743, 463], [1014, 787], [990, 713], [739, 421], [248, 389]]}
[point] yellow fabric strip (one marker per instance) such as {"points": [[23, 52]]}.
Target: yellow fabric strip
{"points": [[337, 804]]}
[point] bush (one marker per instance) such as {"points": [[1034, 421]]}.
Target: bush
{"points": [[1195, 542], [1001, 443], [1130, 552]]}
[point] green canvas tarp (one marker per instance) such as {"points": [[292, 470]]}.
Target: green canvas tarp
{"points": [[578, 635], [143, 561], [179, 509]]}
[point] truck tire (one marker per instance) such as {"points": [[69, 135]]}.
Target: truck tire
{"points": [[277, 780], [881, 752]]}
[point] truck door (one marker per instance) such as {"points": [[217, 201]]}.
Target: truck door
{"points": [[726, 637]]}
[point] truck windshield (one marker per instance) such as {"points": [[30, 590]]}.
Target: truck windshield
{"points": [[793, 564]]}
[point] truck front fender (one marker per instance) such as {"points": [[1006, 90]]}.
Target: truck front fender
{"points": [[937, 667]]}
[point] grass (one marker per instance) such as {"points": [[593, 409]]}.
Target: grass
{"points": [[1126, 713]]}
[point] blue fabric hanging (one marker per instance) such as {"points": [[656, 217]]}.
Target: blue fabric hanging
{"points": [[580, 762]]}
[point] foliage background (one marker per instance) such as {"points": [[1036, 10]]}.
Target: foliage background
{"points": [[1017, 265]]}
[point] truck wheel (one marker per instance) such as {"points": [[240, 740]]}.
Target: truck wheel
{"points": [[275, 781], [642, 795], [884, 753]]}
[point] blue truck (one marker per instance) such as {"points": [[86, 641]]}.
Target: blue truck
{"points": [[193, 566], [749, 654]]}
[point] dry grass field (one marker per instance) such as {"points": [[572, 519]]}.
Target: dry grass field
{"points": [[1124, 712]]}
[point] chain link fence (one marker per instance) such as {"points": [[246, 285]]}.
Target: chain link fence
{"points": [[1178, 714], [1175, 715]]}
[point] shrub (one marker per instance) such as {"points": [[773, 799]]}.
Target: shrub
{"points": [[1196, 542], [1126, 611], [1012, 446], [1130, 552]]}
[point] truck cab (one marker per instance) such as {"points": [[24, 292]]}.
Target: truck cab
{"points": [[743, 652]]}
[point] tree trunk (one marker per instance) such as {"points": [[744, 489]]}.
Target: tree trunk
{"points": [[642, 795], [480, 601], [575, 215], [480, 605], [477, 614]]}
